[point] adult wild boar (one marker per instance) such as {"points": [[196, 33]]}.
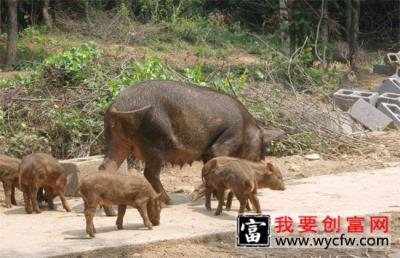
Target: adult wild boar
{"points": [[177, 122]]}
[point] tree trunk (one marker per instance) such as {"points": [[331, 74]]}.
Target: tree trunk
{"points": [[87, 14], [349, 8], [12, 33], [324, 32], [354, 30], [398, 23], [286, 16], [1, 21], [46, 16]]}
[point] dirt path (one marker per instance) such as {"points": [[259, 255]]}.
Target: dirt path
{"points": [[58, 232]]}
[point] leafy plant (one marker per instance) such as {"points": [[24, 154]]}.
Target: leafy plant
{"points": [[73, 63]]}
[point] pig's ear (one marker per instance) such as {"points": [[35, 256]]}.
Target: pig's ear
{"points": [[269, 135], [133, 117]]}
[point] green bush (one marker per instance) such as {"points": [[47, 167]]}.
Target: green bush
{"points": [[72, 64]]}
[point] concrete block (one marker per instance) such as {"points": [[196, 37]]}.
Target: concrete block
{"points": [[391, 85], [77, 168], [344, 99], [394, 58], [392, 111], [391, 98], [383, 69], [369, 116]]}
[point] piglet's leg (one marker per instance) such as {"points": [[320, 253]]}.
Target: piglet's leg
{"points": [[229, 201], [63, 200], [35, 203], [255, 202], [248, 206], [27, 201], [221, 197], [142, 208], [49, 197], [243, 200], [7, 192], [208, 192], [120, 218], [90, 211], [13, 201]]}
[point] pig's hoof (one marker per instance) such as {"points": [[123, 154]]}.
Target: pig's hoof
{"points": [[119, 226], [217, 213], [7, 205], [149, 226], [38, 211], [68, 209]]}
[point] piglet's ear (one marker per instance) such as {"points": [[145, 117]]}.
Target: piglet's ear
{"points": [[269, 135], [270, 167]]}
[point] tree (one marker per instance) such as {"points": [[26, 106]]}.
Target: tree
{"points": [[324, 31], [353, 33], [46, 16], [286, 17], [12, 33], [1, 24]]}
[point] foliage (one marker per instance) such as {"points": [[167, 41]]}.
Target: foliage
{"points": [[73, 64], [69, 120]]}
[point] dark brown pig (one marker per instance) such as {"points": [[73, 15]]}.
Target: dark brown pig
{"points": [[177, 122], [242, 177], [112, 188], [9, 178], [42, 170]]}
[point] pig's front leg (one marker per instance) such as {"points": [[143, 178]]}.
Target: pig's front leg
{"points": [[120, 218]]}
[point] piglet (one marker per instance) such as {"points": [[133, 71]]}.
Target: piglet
{"points": [[42, 170], [110, 188], [242, 177]]}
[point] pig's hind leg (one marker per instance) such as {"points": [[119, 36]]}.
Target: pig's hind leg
{"points": [[33, 196], [49, 195], [27, 200], [7, 185], [120, 218], [221, 197], [208, 192], [229, 202], [13, 201], [60, 190]]}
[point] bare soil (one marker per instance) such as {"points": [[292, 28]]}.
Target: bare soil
{"points": [[222, 245]]}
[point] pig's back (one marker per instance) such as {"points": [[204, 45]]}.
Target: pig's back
{"points": [[8, 167]]}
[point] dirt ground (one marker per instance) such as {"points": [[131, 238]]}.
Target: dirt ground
{"points": [[221, 245], [385, 154], [298, 166]]}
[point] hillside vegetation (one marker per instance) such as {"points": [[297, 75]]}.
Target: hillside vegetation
{"points": [[65, 77]]}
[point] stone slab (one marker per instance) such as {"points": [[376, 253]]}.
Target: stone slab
{"points": [[77, 168], [369, 116]]}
